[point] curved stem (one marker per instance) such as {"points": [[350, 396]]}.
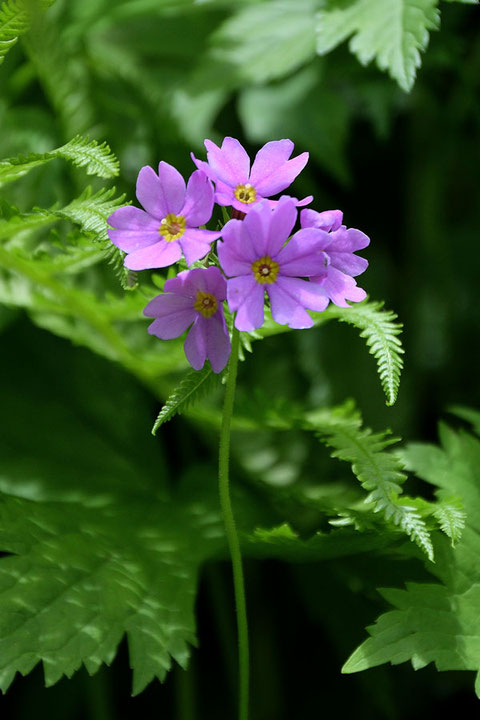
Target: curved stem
{"points": [[231, 530]]}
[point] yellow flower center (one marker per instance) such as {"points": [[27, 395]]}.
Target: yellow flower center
{"points": [[172, 227], [205, 304], [265, 270], [245, 193]]}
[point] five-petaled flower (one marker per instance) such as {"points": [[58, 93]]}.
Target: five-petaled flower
{"points": [[254, 256], [156, 237], [194, 298], [339, 244], [243, 188]]}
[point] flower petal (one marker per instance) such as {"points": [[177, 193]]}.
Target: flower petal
{"points": [[310, 295], [272, 172], [230, 163], [196, 344], [236, 253], [149, 192], [215, 282], [198, 200], [131, 240], [348, 240], [172, 187], [303, 255], [340, 288], [218, 340], [348, 263], [247, 297], [158, 255], [202, 165], [172, 313], [286, 309], [196, 243], [282, 221], [327, 220]]}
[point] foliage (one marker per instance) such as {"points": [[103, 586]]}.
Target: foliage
{"points": [[436, 622]]}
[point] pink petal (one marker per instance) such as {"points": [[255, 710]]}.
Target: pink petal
{"points": [[196, 344], [340, 288], [246, 296], [303, 255], [172, 187], [348, 240], [172, 313], [204, 166], [348, 263], [272, 172], [326, 220], [286, 309], [230, 163], [197, 243], [198, 200], [218, 341], [155, 256], [282, 221], [131, 240], [308, 294], [215, 282], [151, 193], [236, 253]]}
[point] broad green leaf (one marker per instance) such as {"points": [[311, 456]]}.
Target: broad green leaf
{"points": [[97, 547], [80, 151], [267, 40], [437, 622], [394, 32]]}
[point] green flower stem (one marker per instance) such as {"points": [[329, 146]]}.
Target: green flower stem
{"points": [[231, 530]]}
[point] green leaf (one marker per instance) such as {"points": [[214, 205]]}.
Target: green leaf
{"points": [[15, 19], [381, 332], [437, 622], [267, 40], [394, 32], [379, 472], [97, 546], [80, 151], [192, 388]]}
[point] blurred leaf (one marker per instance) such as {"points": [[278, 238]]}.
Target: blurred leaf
{"points": [[391, 31], [15, 19], [267, 40], [437, 622], [274, 111]]}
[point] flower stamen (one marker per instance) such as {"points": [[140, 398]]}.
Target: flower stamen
{"points": [[265, 270], [172, 227], [245, 193], [205, 304]]}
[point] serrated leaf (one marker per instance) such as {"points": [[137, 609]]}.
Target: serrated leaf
{"points": [[394, 32], [15, 19], [96, 159], [192, 388], [98, 548], [381, 331], [379, 472], [437, 622]]}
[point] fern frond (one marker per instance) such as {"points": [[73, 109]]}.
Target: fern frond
{"points": [[381, 332], [380, 472], [15, 20], [451, 517], [80, 151], [196, 385], [96, 159], [90, 211]]}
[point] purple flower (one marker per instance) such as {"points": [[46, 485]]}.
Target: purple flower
{"points": [[339, 246], [253, 253], [243, 188], [156, 237], [194, 298]]}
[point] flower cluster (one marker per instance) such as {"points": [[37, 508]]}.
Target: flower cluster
{"points": [[259, 253]]}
